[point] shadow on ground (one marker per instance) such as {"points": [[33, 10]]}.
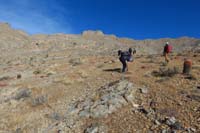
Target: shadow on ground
{"points": [[113, 70]]}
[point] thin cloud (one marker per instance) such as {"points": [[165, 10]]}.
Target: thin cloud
{"points": [[35, 16]]}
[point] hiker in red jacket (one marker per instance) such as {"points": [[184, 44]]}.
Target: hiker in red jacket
{"points": [[166, 51]]}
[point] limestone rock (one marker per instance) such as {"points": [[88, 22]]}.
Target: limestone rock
{"points": [[111, 97]]}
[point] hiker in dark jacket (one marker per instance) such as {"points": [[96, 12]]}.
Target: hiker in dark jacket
{"points": [[126, 56], [166, 52]]}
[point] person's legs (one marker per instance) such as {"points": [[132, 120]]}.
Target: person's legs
{"points": [[166, 57], [124, 65]]}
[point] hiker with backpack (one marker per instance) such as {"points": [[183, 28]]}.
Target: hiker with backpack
{"points": [[166, 51], [126, 56]]}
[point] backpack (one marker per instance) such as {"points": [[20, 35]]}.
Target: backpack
{"points": [[169, 48], [130, 59], [127, 56]]}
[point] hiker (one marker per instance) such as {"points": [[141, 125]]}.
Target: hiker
{"points": [[166, 51], [126, 56]]}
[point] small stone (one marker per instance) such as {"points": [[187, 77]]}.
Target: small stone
{"points": [[154, 127], [136, 105], [92, 129], [164, 131], [84, 113], [180, 103], [170, 121], [110, 62], [153, 105], [18, 130], [143, 110], [193, 130], [173, 131], [177, 126], [157, 122], [148, 74], [59, 131], [144, 90]]}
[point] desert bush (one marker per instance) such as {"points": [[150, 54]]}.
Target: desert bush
{"points": [[4, 78], [180, 54], [19, 76], [75, 62], [24, 93], [37, 72], [164, 64], [150, 56], [39, 100], [166, 72], [55, 116]]}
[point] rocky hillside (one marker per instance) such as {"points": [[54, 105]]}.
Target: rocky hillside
{"points": [[73, 84], [11, 39]]}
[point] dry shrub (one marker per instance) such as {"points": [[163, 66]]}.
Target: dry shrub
{"points": [[24, 93], [166, 72], [39, 100]]}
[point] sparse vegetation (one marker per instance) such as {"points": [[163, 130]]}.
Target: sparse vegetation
{"points": [[166, 72], [23, 93], [39, 100], [67, 72], [4, 78], [37, 72], [75, 62]]}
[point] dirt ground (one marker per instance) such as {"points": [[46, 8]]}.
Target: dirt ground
{"points": [[57, 82]]}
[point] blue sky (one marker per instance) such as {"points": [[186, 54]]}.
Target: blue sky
{"points": [[137, 19]]}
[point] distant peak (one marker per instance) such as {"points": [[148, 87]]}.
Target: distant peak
{"points": [[5, 25], [92, 33]]}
